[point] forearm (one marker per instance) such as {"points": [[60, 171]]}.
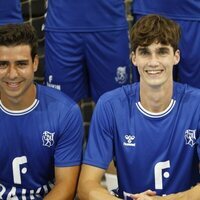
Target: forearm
{"points": [[193, 193], [66, 179], [94, 191], [59, 193]]}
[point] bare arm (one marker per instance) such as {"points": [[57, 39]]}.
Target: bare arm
{"points": [[66, 179], [193, 193], [89, 187]]}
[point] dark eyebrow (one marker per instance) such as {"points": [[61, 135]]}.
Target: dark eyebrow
{"points": [[3, 62], [142, 48], [163, 49], [22, 61]]}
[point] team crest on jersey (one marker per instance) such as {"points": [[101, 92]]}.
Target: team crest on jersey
{"points": [[121, 75], [48, 139], [190, 137], [129, 140]]}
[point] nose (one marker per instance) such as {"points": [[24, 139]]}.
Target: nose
{"points": [[12, 72], [153, 61]]}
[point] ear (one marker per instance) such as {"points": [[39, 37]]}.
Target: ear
{"points": [[35, 63], [176, 57], [133, 58]]}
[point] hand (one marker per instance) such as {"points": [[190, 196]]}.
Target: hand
{"points": [[147, 195]]}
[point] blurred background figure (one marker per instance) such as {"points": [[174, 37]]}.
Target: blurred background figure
{"points": [[10, 12], [86, 47]]}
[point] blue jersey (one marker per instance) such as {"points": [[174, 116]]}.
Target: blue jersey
{"points": [[175, 9], [35, 140], [158, 151], [10, 11], [85, 15]]}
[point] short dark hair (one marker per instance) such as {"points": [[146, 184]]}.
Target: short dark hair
{"points": [[155, 28], [17, 34]]}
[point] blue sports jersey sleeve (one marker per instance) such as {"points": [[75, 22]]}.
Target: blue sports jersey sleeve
{"points": [[68, 149], [99, 150]]}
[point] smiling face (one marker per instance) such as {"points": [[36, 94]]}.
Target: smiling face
{"points": [[16, 73], [155, 63]]}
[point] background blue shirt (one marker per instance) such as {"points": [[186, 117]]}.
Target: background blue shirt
{"points": [[174, 9], [85, 15], [10, 11]]}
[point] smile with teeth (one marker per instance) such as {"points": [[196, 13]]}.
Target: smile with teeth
{"points": [[13, 84], [154, 72]]}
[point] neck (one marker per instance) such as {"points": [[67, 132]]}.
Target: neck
{"points": [[156, 99]]}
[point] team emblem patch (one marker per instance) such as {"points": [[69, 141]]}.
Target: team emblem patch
{"points": [[48, 139], [121, 75], [190, 137]]}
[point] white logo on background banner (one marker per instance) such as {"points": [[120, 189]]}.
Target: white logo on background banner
{"points": [[50, 84]]}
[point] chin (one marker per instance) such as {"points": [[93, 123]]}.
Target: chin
{"points": [[156, 83]]}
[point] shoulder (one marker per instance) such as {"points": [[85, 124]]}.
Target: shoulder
{"points": [[121, 94], [55, 98], [187, 93], [187, 90], [117, 101]]}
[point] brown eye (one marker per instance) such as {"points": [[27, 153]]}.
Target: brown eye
{"points": [[3, 65], [163, 52], [144, 53], [22, 64]]}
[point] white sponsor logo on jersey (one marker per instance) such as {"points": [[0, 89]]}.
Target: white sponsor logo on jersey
{"points": [[160, 173], [19, 171], [17, 164], [129, 140], [15, 193]]}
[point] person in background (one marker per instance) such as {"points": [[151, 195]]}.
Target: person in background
{"points": [[10, 12], [187, 14], [148, 127], [41, 128], [86, 47]]}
